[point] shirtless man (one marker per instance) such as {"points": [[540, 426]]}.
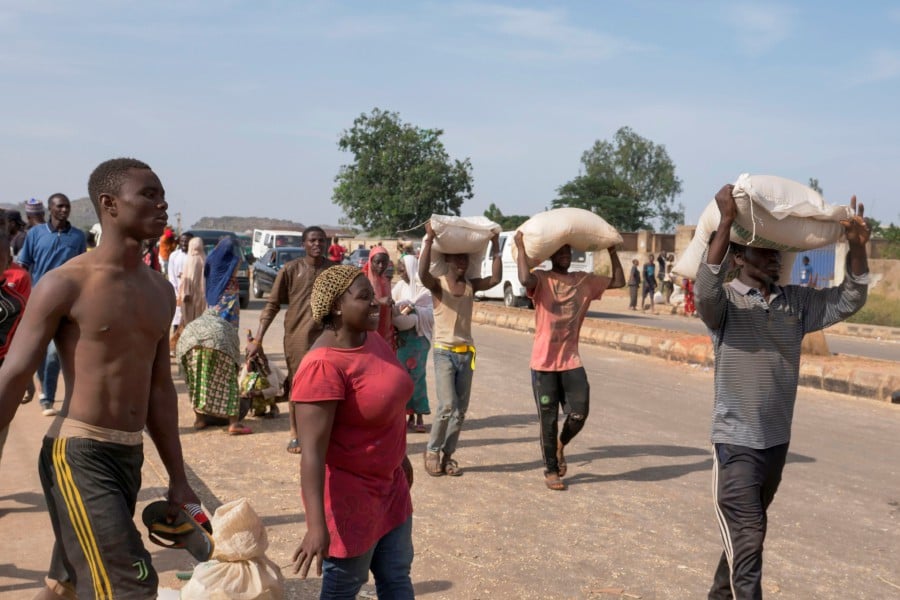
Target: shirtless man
{"points": [[454, 350], [113, 313]]}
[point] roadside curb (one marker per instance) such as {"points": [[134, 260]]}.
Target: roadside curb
{"points": [[863, 378], [888, 334]]}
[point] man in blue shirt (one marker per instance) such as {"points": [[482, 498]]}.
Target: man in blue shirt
{"points": [[807, 274], [46, 247]]}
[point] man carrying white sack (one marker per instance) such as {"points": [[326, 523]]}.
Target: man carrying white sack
{"points": [[756, 328], [454, 351], [561, 301]]}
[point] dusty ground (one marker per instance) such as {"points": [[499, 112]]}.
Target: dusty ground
{"points": [[636, 521]]}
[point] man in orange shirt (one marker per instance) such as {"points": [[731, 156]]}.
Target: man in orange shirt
{"points": [[561, 301]]}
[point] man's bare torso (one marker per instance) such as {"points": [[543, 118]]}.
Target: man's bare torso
{"points": [[113, 335]]}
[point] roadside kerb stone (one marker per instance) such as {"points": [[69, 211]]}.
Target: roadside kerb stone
{"points": [[864, 378], [891, 334]]}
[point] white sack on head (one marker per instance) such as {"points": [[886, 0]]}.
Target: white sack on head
{"points": [[546, 232], [781, 214], [460, 235], [801, 221]]}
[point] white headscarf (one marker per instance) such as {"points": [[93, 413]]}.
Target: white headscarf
{"points": [[416, 294]]}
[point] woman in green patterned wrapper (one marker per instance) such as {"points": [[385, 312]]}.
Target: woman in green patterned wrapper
{"points": [[209, 353]]}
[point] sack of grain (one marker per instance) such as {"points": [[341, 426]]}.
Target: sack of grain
{"points": [[460, 235], [773, 212], [547, 232]]}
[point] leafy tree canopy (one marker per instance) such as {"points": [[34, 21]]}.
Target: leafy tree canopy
{"points": [[507, 222], [399, 176], [629, 181]]}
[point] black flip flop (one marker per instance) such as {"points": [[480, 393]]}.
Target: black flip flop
{"points": [[183, 533]]}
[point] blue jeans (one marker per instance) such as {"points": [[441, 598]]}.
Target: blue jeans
{"points": [[390, 560], [453, 384], [48, 373]]}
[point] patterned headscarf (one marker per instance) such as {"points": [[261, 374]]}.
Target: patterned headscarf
{"points": [[328, 287]]}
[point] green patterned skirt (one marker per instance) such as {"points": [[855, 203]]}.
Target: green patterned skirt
{"points": [[212, 381]]}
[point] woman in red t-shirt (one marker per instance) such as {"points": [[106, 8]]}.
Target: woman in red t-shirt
{"points": [[351, 395]]}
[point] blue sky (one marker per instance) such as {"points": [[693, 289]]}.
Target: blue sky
{"points": [[238, 105]]}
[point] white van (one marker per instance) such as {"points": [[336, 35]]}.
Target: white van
{"points": [[266, 239], [509, 289]]}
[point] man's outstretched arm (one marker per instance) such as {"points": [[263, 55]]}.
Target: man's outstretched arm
{"points": [[48, 304]]}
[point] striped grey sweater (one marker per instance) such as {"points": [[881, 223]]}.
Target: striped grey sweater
{"points": [[757, 348]]}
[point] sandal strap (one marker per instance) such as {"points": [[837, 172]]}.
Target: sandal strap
{"points": [[451, 467]]}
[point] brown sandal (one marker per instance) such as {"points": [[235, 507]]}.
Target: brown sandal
{"points": [[561, 465], [450, 466], [553, 482], [433, 463]]}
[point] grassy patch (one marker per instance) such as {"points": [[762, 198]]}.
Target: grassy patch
{"points": [[879, 310]]}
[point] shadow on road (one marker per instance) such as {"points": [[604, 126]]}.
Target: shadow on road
{"points": [[34, 579], [585, 459], [501, 421], [292, 517], [423, 588], [34, 503], [658, 473]]}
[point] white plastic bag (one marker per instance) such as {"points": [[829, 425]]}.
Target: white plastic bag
{"points": [[271, 386], [460, 235], [255, 579], [547, 232], [240, 569]]}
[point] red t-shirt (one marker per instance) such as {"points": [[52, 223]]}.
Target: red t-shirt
{"points": [[336, 253], [16, 288], [560, 303], [366, 492]]}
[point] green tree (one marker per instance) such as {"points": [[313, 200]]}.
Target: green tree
{"points": [[891, 233], [399, 176], [629, 181], [507, 222]]}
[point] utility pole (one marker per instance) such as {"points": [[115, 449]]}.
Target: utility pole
{"points": [[178, 223]]}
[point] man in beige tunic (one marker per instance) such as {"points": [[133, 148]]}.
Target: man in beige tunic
{"points": [[293, 286]]}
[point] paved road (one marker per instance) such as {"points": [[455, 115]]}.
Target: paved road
{"points": [[636, 521]]}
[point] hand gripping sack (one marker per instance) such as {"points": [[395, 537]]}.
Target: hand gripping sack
{"points": [[460, 235], [547, 232], [801, 221], [240, 569]]}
